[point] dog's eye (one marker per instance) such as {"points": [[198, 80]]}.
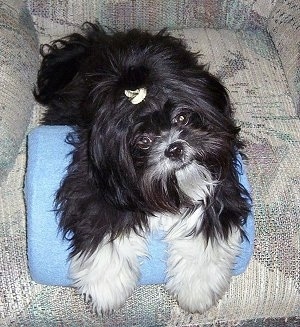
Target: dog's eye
{"points": [[144, 142], [181, 119]]}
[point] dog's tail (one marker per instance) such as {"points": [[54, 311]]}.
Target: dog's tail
{"points": [[59, 86]]}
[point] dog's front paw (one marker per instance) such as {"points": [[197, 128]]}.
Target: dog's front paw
{"points": [[195, 295], [110, 274], [105, 287], [199, 273], [107, 294]]}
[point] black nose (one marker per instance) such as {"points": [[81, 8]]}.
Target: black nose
{"points": [[174, 151]]}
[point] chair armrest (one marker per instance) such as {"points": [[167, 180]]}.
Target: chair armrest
{"points": [[284, 28], [18, 68]]}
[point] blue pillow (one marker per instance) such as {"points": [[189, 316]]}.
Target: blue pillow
{"points": [[47, 250]]}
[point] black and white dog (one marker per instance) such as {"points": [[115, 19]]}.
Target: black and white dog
{"points": [[155, 148]]}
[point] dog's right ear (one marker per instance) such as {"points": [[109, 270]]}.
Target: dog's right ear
{"points": [[60, 86]]}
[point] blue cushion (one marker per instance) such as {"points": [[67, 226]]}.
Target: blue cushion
{"points": [[47, 250]]}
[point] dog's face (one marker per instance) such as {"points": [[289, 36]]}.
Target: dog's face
{"points": [[161, 153]]}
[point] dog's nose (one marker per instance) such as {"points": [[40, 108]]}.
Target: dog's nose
{"points": [[174, 151]]}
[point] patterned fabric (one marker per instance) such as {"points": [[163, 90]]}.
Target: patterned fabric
{"points": [[53, 17], [258, 82], [18, 64]]}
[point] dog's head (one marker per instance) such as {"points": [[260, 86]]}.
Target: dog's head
{"points": [[157, 125]]}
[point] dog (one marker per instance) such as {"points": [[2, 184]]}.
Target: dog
{"points": [[155, 146]]}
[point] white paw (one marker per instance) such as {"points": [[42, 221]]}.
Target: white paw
{"points": [[199, 273], [108, 292], [194, 292], [109, 276]]}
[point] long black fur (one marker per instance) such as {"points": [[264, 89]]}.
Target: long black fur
{"points": [[82, 81]]}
